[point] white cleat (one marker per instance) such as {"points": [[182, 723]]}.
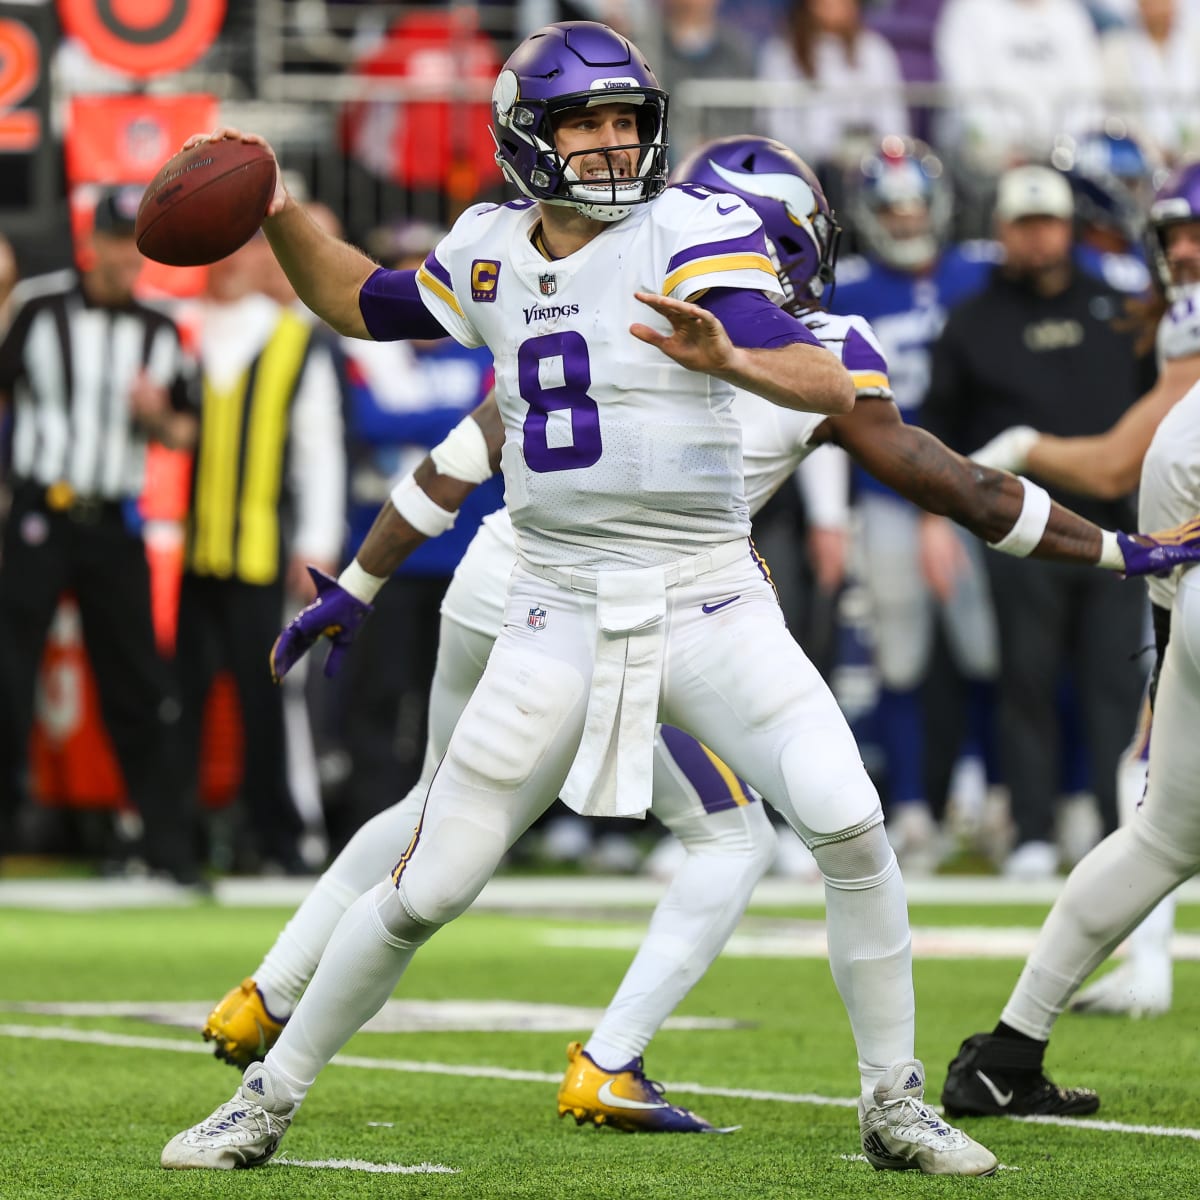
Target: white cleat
{"points": [[900, 1132], [243, 1132], [1141, 990]]}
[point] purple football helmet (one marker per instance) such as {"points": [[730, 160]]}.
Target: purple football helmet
{"points": [[572, 65], [900, 203], [781, 187], [1176, 201]]}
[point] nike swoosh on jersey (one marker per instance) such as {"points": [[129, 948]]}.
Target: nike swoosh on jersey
{"points": [[1004, 1099], [726, 211], [712, 608], [607, 1096]]}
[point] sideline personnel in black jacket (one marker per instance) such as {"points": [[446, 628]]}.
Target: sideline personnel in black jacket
{"points": [[93, 376], [1038, 347]]}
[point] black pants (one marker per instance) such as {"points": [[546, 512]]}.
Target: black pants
{"points": [[91, 554], [228, 624], [1054, 617]]}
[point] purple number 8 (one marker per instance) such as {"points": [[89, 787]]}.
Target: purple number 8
{"points": [[586, 445]]}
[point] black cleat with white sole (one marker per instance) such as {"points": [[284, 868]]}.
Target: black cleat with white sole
{"points": [[1002, 1077]]}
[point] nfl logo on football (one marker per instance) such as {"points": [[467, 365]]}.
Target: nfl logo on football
{"points": [[548, 284], [536, 618]]}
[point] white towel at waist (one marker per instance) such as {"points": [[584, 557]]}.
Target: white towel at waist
{"points": [[613, 771]]}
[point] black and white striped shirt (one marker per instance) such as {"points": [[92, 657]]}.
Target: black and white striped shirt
{"points": [[68, 366]]}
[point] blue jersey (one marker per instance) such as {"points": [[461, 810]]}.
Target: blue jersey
{"points": [[907, 313], [389, 435]]}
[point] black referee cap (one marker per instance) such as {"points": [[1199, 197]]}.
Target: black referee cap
{"points": [[116, 211]]}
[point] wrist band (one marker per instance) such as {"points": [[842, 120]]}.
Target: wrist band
{"points": [[362, 585], [1022, 539], [463, 453], [1111, 557], [411, 502]]}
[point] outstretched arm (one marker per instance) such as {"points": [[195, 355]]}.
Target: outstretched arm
{"points": [[1010, 513], [802, 375], [927, 472], [1106, 465], [421, 506]]}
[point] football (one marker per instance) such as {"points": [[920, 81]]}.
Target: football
{"points": [[205, 202]]}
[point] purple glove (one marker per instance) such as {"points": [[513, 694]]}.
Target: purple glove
{"points": [[334, 614], [1160, 553]]}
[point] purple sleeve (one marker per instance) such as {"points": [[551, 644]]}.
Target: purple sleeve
{"points": [[753, 321], [392, 309]]}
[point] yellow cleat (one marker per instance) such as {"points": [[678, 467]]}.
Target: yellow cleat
{"points": [[241, 1028], [623, 1099]]}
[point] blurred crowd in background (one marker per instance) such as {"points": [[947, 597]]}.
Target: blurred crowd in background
{"points": [[914, 113]]}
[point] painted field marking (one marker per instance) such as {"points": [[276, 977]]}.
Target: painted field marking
{"points": [[51, 1033], [359, 1164]]}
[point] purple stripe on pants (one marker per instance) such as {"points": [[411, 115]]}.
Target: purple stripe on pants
{"points": [[701, 773]]}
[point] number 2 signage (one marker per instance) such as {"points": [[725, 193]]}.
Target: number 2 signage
{"points": [[22, 82]]}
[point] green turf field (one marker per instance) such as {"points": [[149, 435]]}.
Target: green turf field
{"points": [[89, 1100]]}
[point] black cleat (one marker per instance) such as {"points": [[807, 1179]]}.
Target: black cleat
{"points": [[1002, 1077]]}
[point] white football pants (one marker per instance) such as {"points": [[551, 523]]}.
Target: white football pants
{"points": [[1123, 878]]}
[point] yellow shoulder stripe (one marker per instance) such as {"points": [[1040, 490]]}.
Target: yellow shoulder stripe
{"points": [[715, 265], [870, 379], [427, 279]]}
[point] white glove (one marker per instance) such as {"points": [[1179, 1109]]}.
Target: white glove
{"points": [[1008, 451]]}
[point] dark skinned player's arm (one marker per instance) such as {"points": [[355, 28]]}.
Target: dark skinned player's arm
{"points": [[931, 475], [392, 538]]}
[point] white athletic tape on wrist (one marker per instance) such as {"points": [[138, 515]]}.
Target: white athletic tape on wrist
{"points": [[1111, 557], [1022, 539], [362, 585], [463, 453], [411, 502]]}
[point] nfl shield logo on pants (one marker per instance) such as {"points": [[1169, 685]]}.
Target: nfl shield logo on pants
{"points": [[548, 284], [536, 618]]}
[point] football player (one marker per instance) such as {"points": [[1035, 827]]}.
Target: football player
{"points": [[636, 593], [920, 572], [1072, 944]]}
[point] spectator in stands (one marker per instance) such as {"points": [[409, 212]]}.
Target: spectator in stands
{"points": [[850, 77], [1038, 346], [697, 45], [1151, 75], [1017, 72], [921, 572]]}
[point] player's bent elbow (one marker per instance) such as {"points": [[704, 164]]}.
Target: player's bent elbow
{"points": [[1114, 481]]}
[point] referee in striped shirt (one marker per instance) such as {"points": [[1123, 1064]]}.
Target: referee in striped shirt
{"points": [[92, 376]]}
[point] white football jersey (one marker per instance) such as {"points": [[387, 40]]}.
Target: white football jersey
{"points": [[1170, 488], [614, 454], [775, 441], [1178, 334]]}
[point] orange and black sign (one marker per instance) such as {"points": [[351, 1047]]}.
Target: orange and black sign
{"points": [[144, 37]]}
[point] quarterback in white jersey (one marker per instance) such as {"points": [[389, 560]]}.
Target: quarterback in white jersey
{"points": [[596, 648], [1109, 465]]}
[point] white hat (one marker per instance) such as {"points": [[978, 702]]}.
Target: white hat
{"points": [[1034, 192]]}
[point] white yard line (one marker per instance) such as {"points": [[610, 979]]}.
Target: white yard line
{"points": [[513, 892], [51, 1033], [359, 1164]]}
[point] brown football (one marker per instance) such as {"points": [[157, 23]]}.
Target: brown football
{"points": [[205, 202]]}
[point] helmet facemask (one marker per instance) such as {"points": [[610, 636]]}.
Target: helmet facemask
{"points": [[527, 152]]}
